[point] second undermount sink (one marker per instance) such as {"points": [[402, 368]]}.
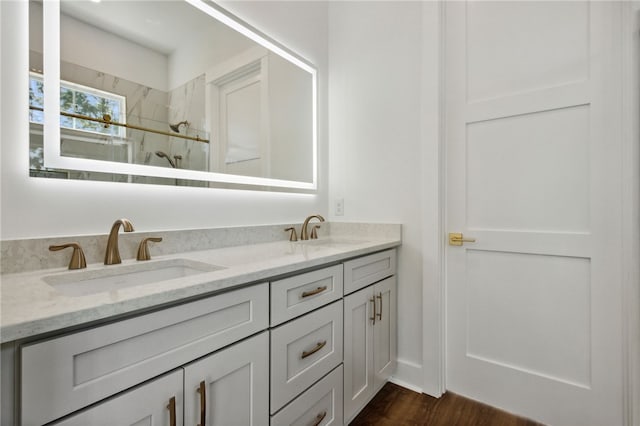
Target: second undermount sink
{"points": [[109, 278]]}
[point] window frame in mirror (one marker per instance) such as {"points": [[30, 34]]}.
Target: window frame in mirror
{"points": [[51, 149]]}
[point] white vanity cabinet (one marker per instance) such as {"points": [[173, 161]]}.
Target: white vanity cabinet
{"points": [[369, 332], [306, 349]]}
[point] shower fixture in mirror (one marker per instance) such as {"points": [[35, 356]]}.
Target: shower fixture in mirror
{"points": [[175, 92]]}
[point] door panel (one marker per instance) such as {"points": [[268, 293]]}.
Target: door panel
{"points": [[236, 385], [517, 47], [146, 405], [533, 160], [358, 350], [524, 323], [384, 331], [529, 172]]}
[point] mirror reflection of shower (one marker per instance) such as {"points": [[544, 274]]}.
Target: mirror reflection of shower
{"points": [[175, 163], [176, 127]]}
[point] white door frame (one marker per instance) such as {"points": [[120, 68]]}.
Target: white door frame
{"points": [[631, 210], [434, 214]]}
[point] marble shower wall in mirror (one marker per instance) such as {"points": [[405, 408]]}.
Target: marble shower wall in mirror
{"points": [[215, 100], [145, 107]]}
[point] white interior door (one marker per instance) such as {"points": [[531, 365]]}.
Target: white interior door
{"points": [[238, 107], [242, 126], [533, 160]]}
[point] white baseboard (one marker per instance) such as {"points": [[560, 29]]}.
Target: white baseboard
{"points": [[408, 375]]}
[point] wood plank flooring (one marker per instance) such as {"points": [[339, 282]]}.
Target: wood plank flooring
{"points": [[397, 406]]}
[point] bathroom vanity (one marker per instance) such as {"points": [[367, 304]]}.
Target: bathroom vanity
{"points": [[277, 333]]}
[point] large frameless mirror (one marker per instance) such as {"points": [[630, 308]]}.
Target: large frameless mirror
{"points": [[175, 92]]}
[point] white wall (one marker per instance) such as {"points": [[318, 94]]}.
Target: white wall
{"points": [[376, 141], [93, 48], [212, 46], [38, 207], [289, 97]]}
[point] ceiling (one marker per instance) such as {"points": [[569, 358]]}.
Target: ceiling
{"points": [[161, 25]]}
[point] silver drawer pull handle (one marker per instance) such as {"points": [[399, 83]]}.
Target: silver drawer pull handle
{"points": [[319, 418], [313, 292], [319, 346], [379, 297]]}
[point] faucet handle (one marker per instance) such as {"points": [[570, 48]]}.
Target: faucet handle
{"points": [[143, 248], [314, 232], [294, 235], [78, 260]]}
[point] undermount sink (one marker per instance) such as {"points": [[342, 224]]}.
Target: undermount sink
{"points": [[118, 277]]}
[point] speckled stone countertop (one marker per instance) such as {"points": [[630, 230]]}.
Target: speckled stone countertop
{"points": [[31, 307]]}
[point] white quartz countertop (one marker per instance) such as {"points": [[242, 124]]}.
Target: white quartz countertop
{"points": [[31, 307]]}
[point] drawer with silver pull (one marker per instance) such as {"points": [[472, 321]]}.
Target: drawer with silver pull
{"points": [[320, 405], [304, 350], [297, 295]]}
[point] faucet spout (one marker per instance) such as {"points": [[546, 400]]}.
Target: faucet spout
{"points": [[112, 255], [304, 232]]}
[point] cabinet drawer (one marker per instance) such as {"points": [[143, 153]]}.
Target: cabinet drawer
{"points": [[304, 350], [85, 367], [297, 295], [320, 405], [149, 401], [361, 272]]}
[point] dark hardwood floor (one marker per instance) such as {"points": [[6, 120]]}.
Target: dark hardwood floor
{"points": [[397, 406]]}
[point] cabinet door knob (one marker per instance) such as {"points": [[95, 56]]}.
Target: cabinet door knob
{"points": [[202, 390], [379, 296], [319, 346], [172, 411]]}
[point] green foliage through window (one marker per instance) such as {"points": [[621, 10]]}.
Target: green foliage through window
{"points": [[82, 100]]}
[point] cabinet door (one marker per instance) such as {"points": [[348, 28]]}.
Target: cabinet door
{"points": [[358, 351], [384, 332], [146, 405], [230, 387]]}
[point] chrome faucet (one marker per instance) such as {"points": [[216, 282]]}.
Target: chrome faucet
{"points": [[112, 255], [304, 232]]}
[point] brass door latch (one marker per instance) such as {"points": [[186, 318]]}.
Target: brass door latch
{"points": [[457, 239]]}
